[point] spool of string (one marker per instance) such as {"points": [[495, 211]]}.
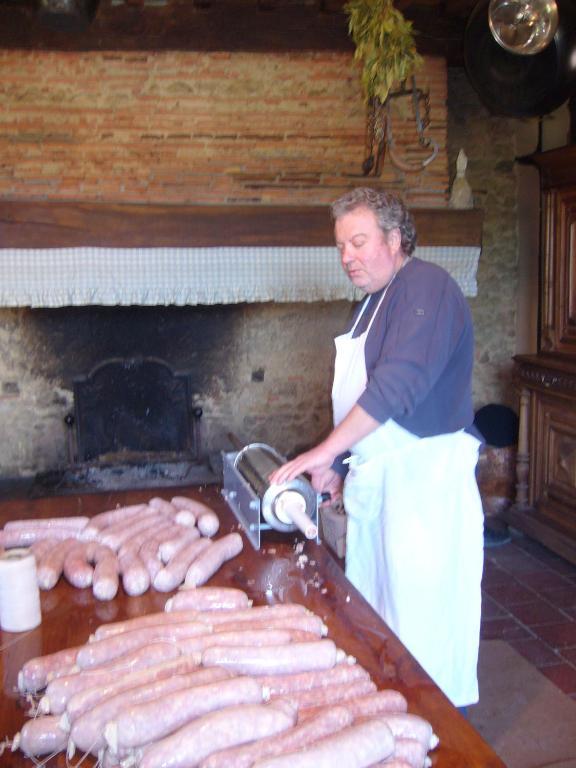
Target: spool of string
{"points": [[19, 593]]}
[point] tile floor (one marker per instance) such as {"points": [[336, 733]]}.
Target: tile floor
{"points": [[529, 600]]}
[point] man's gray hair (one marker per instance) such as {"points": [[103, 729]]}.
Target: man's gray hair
{"points": [[390, 212]]}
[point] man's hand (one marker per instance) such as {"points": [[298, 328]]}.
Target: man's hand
{"points": [[317, 462]]}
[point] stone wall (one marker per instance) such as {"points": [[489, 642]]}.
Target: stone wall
{"points": [[490, 144]]}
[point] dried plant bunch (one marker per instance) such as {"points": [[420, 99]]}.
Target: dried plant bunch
{"points": [[385, 45]]}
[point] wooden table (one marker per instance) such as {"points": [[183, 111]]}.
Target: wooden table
{"points": [[276, 573]]}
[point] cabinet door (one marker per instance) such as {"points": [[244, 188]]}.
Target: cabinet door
{"points": [[558, 322], [553, 465]]}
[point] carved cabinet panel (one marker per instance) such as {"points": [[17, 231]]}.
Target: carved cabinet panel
{"points": [[545, 505]]}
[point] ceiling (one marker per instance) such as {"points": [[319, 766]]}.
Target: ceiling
{"points": [[208, 25]]}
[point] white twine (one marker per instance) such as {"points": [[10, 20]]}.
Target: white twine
{"points": [[19, 593]]}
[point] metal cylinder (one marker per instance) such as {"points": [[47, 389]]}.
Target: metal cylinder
{"points": [[256, 462]]}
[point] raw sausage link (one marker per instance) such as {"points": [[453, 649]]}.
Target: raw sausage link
{"points": [[409, 726], [208, 599], [113, 516], [280, 685], [87, 731], [117, 535], [215, 731], [77, 569], [257, 613], [135, 576], [139, 622], [25, 537], [363, 744], [412, 751], [74, 523], [213, 558], [305, 623], [377, 703], [164, 507], [170, 547], [102, 651], [105, 581], [87, 698], [172, 575], [34, 674], [41, 736], [144, 723], [50, 565], [42, 546], [296, 657], [250, 637], [328, 722], [326, 695], [207, 520]]}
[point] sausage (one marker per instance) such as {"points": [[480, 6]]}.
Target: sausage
{"points": [[411, 751], [148, 620], [265, 660], [377, 703], [40, 736], [218, 730], [25, 537], [208, 599], [40, 547], [257, 613], [323, 696], [87, 731], [84, 699], [250, 637], [406, 725], [363, 744], [74, 523], [102, 651], [279, 685], [172, 575], [213, 558], [207, 520], [304, 622], [76, 568], [105, 581], [148, 722], [119, 534], [324, 724], [168, 548], [150, 550], [135, 576], [34, 674], [113, 516], [50, 564]]}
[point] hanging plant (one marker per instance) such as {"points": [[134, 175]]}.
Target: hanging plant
{"points": [[385, 45]]}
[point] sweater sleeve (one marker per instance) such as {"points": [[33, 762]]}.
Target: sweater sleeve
{"points": [[414, 338]]}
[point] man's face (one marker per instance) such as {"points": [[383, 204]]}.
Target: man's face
{"points": [[369, 257]]}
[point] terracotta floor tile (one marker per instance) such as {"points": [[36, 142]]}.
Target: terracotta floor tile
{"points": [[493, 575], [569, 654], [491, 609], [510, 593], [503, 629], [535, 651], [561, 598], [557, 635], [562, 675], [536, 613], [546, 579], [514, 561]]}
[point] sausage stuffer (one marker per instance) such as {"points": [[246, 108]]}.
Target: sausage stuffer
{"points": [[257, 504]]}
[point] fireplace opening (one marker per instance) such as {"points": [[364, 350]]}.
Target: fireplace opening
{"points": [[134, 425]]}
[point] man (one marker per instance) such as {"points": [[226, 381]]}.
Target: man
{"points": [[402, 407]]}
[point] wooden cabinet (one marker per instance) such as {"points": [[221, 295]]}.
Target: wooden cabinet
{"points": [[545, 506]]}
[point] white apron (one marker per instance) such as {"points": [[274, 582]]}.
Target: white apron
{"points": [[414, 542]]}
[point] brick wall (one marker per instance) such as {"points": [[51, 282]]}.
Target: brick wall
{"points": [[209, 128]]}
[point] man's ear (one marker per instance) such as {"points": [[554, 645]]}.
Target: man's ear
{"points": [[394, 239]]}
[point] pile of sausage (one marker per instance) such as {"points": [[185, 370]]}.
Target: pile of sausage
{"points": [[215, 682], [160, 544]]}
